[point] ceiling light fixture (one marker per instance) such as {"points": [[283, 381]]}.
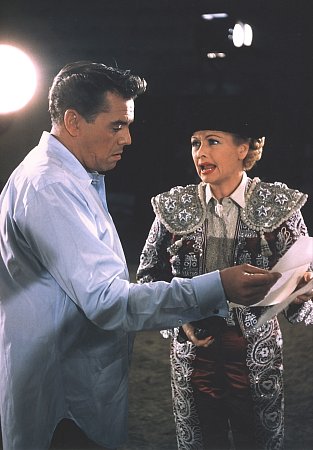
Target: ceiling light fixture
{"points": [[248, 35], [212, 16], [213, 55], [241, 34]]}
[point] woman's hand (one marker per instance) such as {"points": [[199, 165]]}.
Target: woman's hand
{"points": [[190, 333], [308, 295]]}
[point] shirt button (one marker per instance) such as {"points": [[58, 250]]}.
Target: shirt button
{"points": [[216, 311]]}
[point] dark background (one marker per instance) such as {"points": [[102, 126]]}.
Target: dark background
{"points": [[166, 42]]}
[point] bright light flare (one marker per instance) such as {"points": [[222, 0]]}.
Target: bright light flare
{"points": [[18, 79], [214, 16], [248, 35], [213, 55], [238, 35], [242, 34]]}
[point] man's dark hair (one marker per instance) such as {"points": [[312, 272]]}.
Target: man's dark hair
{"points": [[82, 86]]}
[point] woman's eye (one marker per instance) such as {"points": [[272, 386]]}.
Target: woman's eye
{"points": [[213, 141], [195, 144]]}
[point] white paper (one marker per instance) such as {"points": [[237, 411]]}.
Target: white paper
{"points": [[292, 266], [279, 307]]}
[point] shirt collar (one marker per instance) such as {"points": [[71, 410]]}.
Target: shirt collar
{"points": [[53, 148], [68, 159], [238, 196]]}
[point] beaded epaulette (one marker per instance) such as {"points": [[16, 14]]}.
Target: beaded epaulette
{"points": [[182, 209], [268, 205]]}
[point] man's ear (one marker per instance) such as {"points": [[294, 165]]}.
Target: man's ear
{"points": [[71, 121]]}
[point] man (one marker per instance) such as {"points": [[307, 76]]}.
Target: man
{"points": [[68, 310]]}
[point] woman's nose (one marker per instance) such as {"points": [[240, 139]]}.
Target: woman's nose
{"points": [[201, 149]]}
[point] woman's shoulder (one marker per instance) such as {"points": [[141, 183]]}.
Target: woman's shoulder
{"points": [[181, 209], [268, 204], [275, 193], [258, 184]]}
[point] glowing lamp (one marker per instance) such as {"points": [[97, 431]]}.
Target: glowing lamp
{"points": [[18, 79], [242, 34]]}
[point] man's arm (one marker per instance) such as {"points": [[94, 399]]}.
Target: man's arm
{"points": [[168, 305], [66, 241]]}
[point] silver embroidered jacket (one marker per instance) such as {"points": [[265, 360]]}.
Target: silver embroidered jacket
{"points": [[177, 246]]}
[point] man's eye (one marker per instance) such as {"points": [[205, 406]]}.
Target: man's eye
{"points": [[117, 127]]}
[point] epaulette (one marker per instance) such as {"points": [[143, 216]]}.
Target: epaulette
{"points": [[182, 209], [268, 205]]}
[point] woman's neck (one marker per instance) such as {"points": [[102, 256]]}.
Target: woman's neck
{"points": [[223, 190]]}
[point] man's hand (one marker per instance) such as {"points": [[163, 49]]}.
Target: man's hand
{"points": [[246, 284]]}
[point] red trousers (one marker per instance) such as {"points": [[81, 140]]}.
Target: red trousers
{"points": [[222, 394]]}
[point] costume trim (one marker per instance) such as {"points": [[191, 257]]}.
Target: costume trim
{"points": [[182, 209], [304, 314], [268, 205]]}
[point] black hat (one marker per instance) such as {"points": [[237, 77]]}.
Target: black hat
{"points": [[232, 116]]}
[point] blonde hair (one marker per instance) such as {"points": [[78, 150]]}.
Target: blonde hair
{"points": [[254, 153], [255, 149]]}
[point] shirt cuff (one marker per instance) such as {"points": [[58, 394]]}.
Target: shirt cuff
{"points": [[210, 294]]}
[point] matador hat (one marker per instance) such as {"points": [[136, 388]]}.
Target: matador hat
{"points": [[232, 116]]}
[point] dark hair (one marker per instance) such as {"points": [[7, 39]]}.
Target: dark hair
{"points": [[82, 86]]}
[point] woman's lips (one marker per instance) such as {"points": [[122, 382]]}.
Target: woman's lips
{"points": [[207, 168]]}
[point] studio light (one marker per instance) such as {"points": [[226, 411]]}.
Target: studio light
{"points": [[248, 35], [215, 31], [18, 79], [212, 16], [213, 55], [241, 34]]}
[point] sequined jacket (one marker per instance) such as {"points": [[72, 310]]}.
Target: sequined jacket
{"points": [[267, 226]]}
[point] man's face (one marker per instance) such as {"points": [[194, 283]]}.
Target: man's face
{"points": [[100, 143]]}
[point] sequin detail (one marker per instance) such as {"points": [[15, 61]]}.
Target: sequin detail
{"points": [[268, 205], [182, 209]]}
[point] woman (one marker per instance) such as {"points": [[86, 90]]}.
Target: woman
{"points": [[227, 384]]}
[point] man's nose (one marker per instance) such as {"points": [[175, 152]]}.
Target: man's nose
{"points": [[125, 138]]}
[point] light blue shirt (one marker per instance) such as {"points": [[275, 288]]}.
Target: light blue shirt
{"points": [[67, 308]]}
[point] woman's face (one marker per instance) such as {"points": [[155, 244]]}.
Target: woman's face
{"points": [[218, 159]]}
